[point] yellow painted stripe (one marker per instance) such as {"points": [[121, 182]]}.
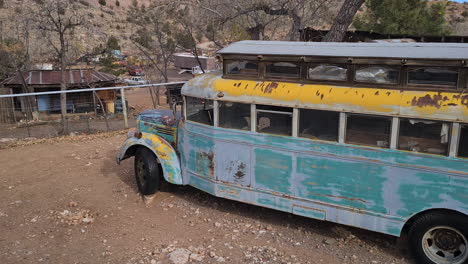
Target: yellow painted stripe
{"points": [[451, 106]]}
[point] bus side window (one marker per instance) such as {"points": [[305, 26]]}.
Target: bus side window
{"points": [[318, 124], [242, 67], [378, 74], [424, 136], [274, 120], [283, 69], [433, 76], [234, 115], [328, 72], [368, 130], [200, 110], [463, 143]]}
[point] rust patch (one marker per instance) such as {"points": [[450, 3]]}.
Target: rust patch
{"points": [[270, 87], [427, 100], [209, 157], [240, 171]]}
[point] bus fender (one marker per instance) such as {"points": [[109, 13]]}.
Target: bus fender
{"points": [[165, 153]]}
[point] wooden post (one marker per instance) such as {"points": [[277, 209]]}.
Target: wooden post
{"points": [[124, 107]]}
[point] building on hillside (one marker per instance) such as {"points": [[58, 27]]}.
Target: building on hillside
{"points": [[45, 81], [188, 61]]}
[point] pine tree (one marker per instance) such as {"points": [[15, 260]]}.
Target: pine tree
{"points": [[405, 17], [102, 2], [117, 3]]}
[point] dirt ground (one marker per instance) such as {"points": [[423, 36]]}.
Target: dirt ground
{"points": [[64, 200]]}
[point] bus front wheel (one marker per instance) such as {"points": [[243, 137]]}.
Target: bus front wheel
{"points": [[147, 171], [437, 238]]}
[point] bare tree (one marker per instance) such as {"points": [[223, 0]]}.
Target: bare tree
{"points": [[154, 37], [343, 20], [57, 21], [261, 19]]}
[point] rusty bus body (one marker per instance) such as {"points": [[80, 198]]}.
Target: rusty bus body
{"points": [[382, 180]]}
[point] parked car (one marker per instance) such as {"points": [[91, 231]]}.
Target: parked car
{"points": [[136, 71], [136, 81]]}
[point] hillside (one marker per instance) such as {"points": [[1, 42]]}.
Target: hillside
{"points": [[111, 20]]}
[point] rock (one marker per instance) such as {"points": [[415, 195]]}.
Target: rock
{"points": [[153, 261], [329, 241], [179, 256], [6, 140], [216, 224], [220, 259], [72, 204], [196, 257]]}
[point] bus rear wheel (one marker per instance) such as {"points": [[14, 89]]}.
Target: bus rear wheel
{"points": [[437, 238], [147, 171]]}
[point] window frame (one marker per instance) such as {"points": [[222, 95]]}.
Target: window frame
{"points": [[398, 68], [266, 76], [298, 124], [450, 136], [255, 124], [215, 114], [226, 61], [344, 130], [444, 87], [315, 64]]}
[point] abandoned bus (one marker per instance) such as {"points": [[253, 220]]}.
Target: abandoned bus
{"points": [[371, 135]]}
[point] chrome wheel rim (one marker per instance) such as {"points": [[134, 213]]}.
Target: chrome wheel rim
{"points": [[445, 245]]}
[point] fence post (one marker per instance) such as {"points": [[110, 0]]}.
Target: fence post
{"points": [[124, 107]]}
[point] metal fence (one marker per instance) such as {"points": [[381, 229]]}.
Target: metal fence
{"points": [[38, 115]]}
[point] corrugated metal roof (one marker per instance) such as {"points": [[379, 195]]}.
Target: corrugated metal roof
{"points": [[452, 51], [53, 78]]}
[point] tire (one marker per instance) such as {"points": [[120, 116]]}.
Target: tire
{"points": [[147, 171], [440, 238]]}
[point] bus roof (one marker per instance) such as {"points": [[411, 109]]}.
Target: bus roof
{"points": [[443, 51]]}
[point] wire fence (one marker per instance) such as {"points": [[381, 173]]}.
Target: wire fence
{"points": [[38, 115]]}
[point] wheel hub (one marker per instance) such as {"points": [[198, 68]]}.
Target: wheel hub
{"points": [[447, 239], [445, 245]]}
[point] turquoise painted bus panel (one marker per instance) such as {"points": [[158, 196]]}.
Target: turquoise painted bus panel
{"points": [[371, 188], [309, 212], [200, 156], [232, 164], [377, 222], [330, 149], [353, 184], [273, 171]]}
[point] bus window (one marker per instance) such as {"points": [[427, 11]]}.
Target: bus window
{"points": [[317, 124], [368, 130], [200, 110], [274, 120], [377, 74], [242, 67], [234, 115], [283, 69], [424, 136], [328, 72], [463, 143], [433, 76]]}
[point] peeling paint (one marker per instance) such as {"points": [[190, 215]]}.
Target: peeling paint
{"points": [[447, 105]]}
